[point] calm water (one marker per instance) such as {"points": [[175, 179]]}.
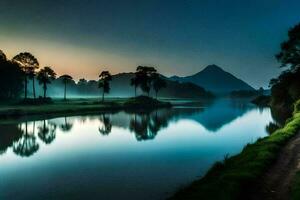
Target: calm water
{"points": [[123, 155]]}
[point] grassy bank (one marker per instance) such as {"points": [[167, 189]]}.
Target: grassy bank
{"points": [[78, 106], [229, 179]]}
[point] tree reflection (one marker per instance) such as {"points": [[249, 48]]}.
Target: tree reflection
{"points": [[47, 132], [106, 127], [26, 145], [67, 126], [147, 125], [10, 133]]}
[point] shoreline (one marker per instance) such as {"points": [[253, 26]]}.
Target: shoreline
{"points": [[234, 177], [72, 108]]}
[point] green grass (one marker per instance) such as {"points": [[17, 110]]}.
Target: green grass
{"points": [[229, 179]]}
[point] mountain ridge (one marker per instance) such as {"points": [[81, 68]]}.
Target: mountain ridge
{"points": [[215, 79]]}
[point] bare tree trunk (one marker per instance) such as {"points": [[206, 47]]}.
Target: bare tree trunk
{"points": [[45, 90], [33, 131], [65, 93], [25, 87], [33, 88], [103, 95]]}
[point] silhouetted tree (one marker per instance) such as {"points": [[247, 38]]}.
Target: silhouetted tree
{"points": [[135, 83], [158, 83], [290, 53], [29, 64], [104, 79], [66, 79], [2, 56], [285, 89], [45, 76], [144, 76], [11, 78]]}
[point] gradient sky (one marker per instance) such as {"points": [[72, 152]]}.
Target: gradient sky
{"points": [[179, 37]]}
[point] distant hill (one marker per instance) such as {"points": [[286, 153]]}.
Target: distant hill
{"points": [[120, 87], [213, 78]]}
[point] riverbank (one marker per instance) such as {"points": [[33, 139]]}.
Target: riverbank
{"points": [[235, 176], [78, 106]]}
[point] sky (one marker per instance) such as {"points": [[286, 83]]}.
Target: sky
{"points": [[178, 37]]}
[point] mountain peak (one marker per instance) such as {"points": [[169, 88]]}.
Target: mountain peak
{"points": [[212, 67], [215, 79]]}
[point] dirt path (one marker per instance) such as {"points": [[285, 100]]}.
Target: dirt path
{"points": [[276, 183]]}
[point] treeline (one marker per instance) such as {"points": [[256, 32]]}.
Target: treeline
{"points": [[23, 71], [285, 90]]}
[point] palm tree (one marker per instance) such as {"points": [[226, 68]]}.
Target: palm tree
{"points": [[158, 83], [66, 79], [29, 64], [105, 77], [45, 76]]}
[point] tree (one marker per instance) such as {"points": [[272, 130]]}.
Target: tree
{"points": [[144, 76], [158, 83], [134, 82], [66, 79], [104, 79], [29, 64], [11, 78], [285, 89], [2, 56], [290, 49], [45, 76]]}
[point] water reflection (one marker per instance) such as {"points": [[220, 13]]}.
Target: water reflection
{"points": [[105, 129], [10, 133], [67, 126], [47, 132], [125, 151], [27, 144], [144, 125]]}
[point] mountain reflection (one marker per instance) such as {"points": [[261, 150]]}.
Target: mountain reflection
{"points": [[25, 139]]}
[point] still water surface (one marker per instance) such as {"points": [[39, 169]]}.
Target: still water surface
{"points": [[123, 155]]}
